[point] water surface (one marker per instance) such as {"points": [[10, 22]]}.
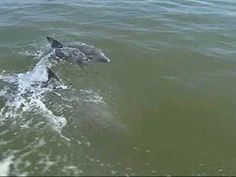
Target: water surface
{"points": [[165, 105]]}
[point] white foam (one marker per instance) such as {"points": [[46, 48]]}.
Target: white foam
{"points": [[24, 96], [5, 166], [28, 95], [92, 96]]}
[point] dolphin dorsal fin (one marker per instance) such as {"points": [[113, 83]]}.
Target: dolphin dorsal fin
{"points": [[51, 74], [54, 43]]}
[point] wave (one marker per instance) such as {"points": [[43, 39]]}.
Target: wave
{"points": [[22, 95]]}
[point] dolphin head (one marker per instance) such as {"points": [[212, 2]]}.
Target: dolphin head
{"points": [[98, 55]]}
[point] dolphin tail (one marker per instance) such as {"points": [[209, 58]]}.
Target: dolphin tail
{"points": [[54, 43]]}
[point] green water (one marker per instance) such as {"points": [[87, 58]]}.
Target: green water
{"points": [[165, 105]]}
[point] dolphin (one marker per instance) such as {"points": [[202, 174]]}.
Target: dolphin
{"points": [[80, 53]]}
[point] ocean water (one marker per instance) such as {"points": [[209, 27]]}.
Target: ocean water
{"points": [[165, 105]]}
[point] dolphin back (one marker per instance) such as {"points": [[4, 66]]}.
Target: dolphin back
{"points": [[78, 53]]}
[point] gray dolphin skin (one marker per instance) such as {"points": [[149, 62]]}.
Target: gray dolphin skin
{"points": [[80, 53]]}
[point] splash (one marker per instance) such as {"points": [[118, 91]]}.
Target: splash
{"points": [[26, 102], [26, 107], [23, 94], [5, 166]]}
